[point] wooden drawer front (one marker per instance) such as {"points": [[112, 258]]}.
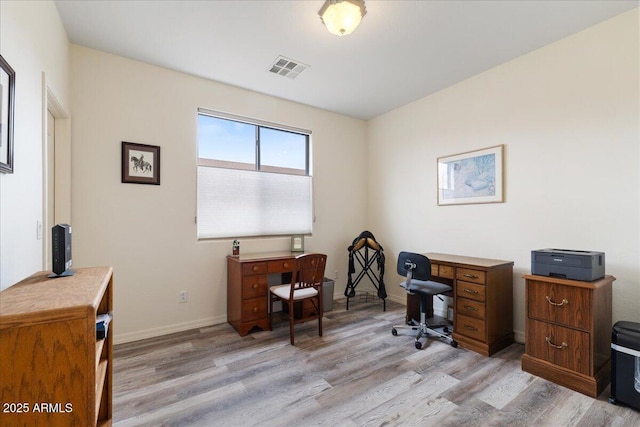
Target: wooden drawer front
{"points": [[434, 269], [565, 305], [468, 275], [254, 286], [439, 270], [568, 348], [281, 266], [309, 310], [470, 290], [301, 309], [253, 309], [473, 328], [470, 308], [254, 268]]}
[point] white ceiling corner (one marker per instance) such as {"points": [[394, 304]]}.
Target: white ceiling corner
{"points": [[402, 51]]}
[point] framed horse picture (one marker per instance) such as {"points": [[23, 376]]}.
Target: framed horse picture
{"points": [[140, 163]]}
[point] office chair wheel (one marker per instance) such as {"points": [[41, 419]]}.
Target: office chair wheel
{"points": [[394, 332], [418, 345], [454, 344]]}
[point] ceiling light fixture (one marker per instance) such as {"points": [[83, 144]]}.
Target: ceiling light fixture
{"points": [[342, 17]]}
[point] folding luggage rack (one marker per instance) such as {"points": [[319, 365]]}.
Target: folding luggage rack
{"points": [[366, 251]]}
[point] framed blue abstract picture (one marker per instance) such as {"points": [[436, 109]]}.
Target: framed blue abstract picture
{"points": [[472, 177]]}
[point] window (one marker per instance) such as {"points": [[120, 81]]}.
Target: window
{"points": [[254, 178]]}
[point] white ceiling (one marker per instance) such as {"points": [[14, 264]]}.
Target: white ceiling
{"points": [[402, 51]]}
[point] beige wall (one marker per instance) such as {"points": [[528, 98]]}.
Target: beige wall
{"points": [[35, 44], [568, 117], [148, 232]]}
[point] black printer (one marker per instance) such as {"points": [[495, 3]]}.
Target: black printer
{"points": [[568, 264]]}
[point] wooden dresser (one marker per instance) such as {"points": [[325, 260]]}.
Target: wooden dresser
{"points": [[568, 332], [248, 287], [53, 369], [483, 300]]}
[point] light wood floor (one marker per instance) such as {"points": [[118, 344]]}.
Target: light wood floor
{"points": [[357, 374]]}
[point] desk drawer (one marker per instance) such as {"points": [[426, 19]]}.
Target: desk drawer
{"points": [[470, 308], [253, 309], [473, 328], [470, 290], [565, 305], [439, 270], [254, 286], [561, 346], [468, 275], [281, 266], [254, 268]]}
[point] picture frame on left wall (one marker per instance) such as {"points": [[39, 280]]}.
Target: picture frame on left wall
{"points": [[140, 163], [7, 107]]}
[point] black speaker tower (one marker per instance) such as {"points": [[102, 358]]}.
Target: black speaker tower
{"points": [[61, 251]]}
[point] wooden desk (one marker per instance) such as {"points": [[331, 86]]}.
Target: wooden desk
{"points": [[248, 287], [483, 299]]}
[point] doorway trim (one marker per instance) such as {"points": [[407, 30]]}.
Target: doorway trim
{"points": [[62, 168]]}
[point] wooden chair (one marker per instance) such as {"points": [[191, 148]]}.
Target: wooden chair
{"points": [[303, 295]]}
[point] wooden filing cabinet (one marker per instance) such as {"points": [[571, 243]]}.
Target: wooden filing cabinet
{"points": [[54, 371], [248, 287], [568, 332]]}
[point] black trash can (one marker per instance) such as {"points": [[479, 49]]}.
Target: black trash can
{"points": [[625, 364]]}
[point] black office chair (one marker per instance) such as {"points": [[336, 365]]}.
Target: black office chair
{"points": [[417, 270]]}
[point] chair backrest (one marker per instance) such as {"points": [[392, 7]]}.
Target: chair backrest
{"points": [[414, 266], [309, 271]]}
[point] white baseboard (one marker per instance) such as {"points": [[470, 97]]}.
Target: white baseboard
{"points": [[519, 336], [169, 329], [400, 300]]}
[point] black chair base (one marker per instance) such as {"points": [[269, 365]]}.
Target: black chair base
{"points": [[423, 330]]}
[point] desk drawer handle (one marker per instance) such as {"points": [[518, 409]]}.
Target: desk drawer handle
{"points": [[471, 276], [471, 328], [255, 286], [285, 265], [470, 308], [557, 304], [255, 268], [255, 309], [470, 291], [564, 344]]}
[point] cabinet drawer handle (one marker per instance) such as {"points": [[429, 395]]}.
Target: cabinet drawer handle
{"points": [[564, 344], [255, 286], [255, 268], [468, 307], [285, 265], [557, 304], [255, 309], [470, 276], [471, 328], [470, 291]]}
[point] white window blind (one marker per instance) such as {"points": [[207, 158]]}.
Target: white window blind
{"points": [[254, 178], [240, 203]]}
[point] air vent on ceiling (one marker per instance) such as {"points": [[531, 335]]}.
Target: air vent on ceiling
{"points": [[287, 67]]}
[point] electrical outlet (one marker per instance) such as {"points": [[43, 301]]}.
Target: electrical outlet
{"points": [[182, 296]]}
